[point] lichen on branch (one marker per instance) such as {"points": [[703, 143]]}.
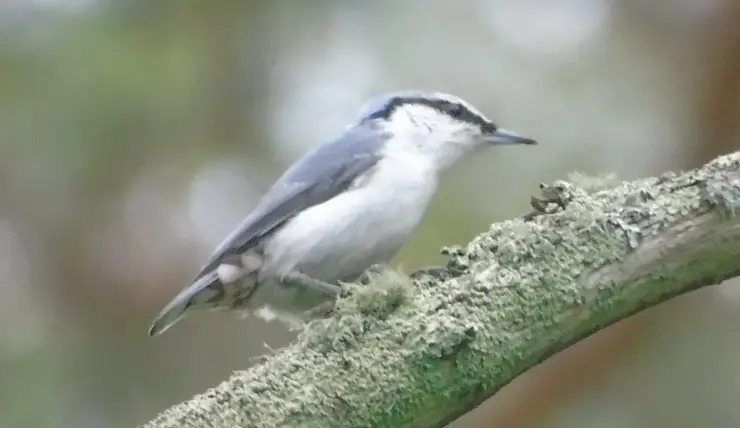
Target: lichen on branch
{"points": [[403, 353]]}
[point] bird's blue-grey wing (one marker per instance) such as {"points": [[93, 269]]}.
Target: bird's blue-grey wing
{"points": [[320, 175]]}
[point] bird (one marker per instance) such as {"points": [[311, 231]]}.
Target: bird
{"points": [[348, 204]]}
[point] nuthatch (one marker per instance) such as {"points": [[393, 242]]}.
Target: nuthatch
{"points": [[347, 205]]}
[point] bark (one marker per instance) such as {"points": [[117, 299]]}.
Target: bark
{"points": [[420, 354]]}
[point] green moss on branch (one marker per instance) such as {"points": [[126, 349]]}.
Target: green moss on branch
{"points": [[403, 354]]}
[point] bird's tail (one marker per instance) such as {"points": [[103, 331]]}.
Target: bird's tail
{"points": [[206, 292]]}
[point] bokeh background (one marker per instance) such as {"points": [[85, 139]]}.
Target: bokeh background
{"points": [[135, 134]]}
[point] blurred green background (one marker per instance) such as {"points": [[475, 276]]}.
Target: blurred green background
{"points": [[135, 134]]}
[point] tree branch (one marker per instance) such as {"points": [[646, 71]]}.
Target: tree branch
{"points": [[402, 354]]}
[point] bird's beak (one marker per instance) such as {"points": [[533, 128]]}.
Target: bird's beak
{"points": [[502, 136]]}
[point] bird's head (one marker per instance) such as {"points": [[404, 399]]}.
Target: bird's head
{"points": [[438, 125]]}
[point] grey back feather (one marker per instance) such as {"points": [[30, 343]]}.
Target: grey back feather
{"points": [[318, 176]]}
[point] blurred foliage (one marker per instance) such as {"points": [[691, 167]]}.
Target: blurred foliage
{"points": [[134, 135]]}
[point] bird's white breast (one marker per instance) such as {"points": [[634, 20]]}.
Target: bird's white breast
{"points": [[342, 237]]}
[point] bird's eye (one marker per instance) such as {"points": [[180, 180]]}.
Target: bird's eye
{"points": [[488, 128]]}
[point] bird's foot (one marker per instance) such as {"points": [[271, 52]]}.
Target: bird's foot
{"points": [[304, 280], [370, 273]]}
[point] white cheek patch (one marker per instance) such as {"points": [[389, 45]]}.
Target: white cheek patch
{"points": [[229, 273]]}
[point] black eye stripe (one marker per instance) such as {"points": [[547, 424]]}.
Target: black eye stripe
{"points": [[456, 110], [460, 112]]}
